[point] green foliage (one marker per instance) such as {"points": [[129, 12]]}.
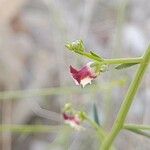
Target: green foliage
{"points": [[124, 66], [101, 65], [95, 113], [140, 132], [95, 55], [79, 48], [138, 129], [128, 100]]}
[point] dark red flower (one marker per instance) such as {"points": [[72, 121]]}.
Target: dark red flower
{"points": [[83, 76]]}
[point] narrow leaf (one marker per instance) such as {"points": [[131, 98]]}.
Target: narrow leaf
{"points": [[126, 65], [136, 126], [89, 56], [95, 55], [79, 52], [140, 132], [96, 118]]}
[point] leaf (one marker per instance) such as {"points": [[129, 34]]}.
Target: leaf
{"points": [[138, 131], [96, 118], [136, 126], [126, 65], [79, 52], [95, 55], [79, 48]]}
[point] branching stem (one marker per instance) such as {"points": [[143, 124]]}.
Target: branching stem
{"points": [[120, 119]]}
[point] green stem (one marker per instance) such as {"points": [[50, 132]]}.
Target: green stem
{"points": [[135, 126], [92, 57], [30, 128], [18, 94], [123, 60], [138, 129], [119, 122], [112, 61], [100, 131], [140, 132]]}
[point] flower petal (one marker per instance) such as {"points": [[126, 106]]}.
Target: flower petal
{"points": [[85, 81], [73, 70], [73, 121]]}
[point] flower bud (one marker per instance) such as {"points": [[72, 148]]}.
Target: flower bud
{"points": [[76, 46], [73, 120]]}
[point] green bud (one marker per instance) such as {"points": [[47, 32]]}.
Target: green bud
{"points": [[99, 67], [77, 46], [82, 115], [67, 107], [103, 68]]}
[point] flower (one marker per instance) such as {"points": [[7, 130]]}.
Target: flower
{"points": [[73, 120], [85, 75]]}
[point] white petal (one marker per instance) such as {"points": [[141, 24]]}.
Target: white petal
{"points": [[74, 125], [76, 82], [85, 81]]}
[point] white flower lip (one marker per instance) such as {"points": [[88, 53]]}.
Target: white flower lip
{"points": [[85, 81]]}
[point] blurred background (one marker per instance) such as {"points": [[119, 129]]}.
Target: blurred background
{"points": [[33, 58]]}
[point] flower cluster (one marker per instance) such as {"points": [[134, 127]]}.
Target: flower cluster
{"points": [[81, 77]]}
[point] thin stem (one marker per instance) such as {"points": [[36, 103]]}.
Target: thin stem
{"points": [[98, 128], [138, 129], [119, 122], [113, 61], [135, 126], [140, 132], [92, 57], [123, 60], [54, 91], [30, 128], [100, 131]]}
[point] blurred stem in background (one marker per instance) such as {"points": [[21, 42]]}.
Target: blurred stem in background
{"points": [[107, 105], [119, 122], [6, 119], [18, 94], [31, 128], [120, 23]]}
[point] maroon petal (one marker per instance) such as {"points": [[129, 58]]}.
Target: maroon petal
{"points": [[84, 72], [65, 116], [71, 118], [73, 70]]}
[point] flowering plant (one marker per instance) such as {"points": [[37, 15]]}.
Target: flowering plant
{"points": [[88, 73]]}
